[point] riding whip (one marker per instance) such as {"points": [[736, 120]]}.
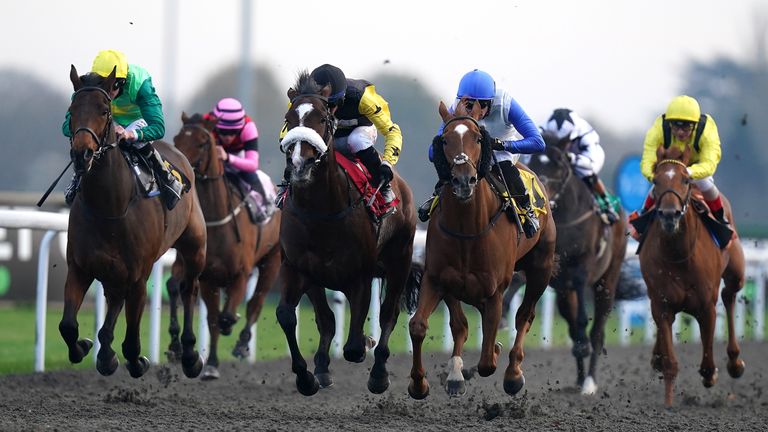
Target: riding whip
{"points": [[53, 185]]}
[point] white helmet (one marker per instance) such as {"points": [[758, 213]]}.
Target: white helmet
{"points": [[562, 123]]}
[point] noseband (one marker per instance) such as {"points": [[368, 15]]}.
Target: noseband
{"points": [[461, 158], [330, 123]]}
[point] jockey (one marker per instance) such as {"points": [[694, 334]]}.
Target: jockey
{"points": [[504, 119], [238, 141], [361, 113], [585, 155], [684, 125], [138, 116]]}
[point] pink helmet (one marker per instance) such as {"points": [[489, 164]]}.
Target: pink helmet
{"points": [[230, 113]]}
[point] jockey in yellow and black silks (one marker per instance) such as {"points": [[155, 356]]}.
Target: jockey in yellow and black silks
{"points": [[683, 125]]}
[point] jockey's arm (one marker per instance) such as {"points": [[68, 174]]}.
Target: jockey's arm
{"points": [[532, 141], [65, 127], [654, 138], [709, 154], [376, 109], [151, 111], [250, 160]]}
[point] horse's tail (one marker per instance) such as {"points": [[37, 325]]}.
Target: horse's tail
{"points": [[410, 297]]}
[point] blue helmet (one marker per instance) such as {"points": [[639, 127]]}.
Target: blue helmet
{"points": [[477, 85]]}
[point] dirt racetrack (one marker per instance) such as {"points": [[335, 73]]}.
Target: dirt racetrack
{"points": [[263, 398]]}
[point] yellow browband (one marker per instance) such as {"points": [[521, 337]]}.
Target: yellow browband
{"points": [[672, 161]]}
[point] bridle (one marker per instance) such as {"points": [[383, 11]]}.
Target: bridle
{"points": [[330, 123], [100, 139], [560, 161], [683, 200], [461, 158], [205, 147]]}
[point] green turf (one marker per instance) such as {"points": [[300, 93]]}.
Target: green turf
{"points": [[17, 335]]}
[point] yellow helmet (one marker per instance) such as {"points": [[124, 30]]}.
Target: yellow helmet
{"points": [[683, 108], [106, 60]]}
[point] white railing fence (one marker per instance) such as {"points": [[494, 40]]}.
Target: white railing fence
{"points": [[628, 311]]}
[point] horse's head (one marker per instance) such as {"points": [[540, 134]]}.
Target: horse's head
{"points": [[90, 121], [196, 141], [552, 166], [672, 186], [310, 124], [463, 153]]}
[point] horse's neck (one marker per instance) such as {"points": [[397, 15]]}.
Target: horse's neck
{"points": [[216, 199], [108, 186], [471, 216], [329, 190], [573, 200]]}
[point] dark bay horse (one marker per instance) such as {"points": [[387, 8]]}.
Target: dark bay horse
{"points": [[683, 266], [329, 240], [235, 246], [115, 235], [590, 255], [472, 251]]}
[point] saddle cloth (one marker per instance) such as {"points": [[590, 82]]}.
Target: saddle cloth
{"points": [[144, 174], [361, 178]]}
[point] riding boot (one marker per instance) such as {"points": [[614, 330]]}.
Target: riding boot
{"points": [[283, 188], [517, 187], [719, 214], [170, 187], [425, 209], [71, 191], [606, 203], [370, 158]]}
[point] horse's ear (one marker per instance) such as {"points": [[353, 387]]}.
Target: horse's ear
{"points": [[443, 110], [209, 121], [326, 90], [461, 107], [292, 93], [109, 81], [184, 117], [75, 78], [660, 152]]}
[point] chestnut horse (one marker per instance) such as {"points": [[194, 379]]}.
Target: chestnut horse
{"points": [[472, 251], [115, 235], [235, 246], [329, 240], [590, 255], [682, 267]]}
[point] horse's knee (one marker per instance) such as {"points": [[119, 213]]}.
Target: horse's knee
{"points": [[417, 328], [172, 286], [286, 316], [68, 330]]}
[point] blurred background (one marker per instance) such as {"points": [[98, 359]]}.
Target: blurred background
{"points": [[616, 63]]}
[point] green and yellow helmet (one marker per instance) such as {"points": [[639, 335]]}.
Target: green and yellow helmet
{"points": [[107, 60], [683, 108]]}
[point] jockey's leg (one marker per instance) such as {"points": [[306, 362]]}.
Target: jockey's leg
{"points": [[370, 158], [252, 178], [712, 198], [604, 200], [170, 186], [283, 187], [425, 209], [517, 188], [649, 202]]}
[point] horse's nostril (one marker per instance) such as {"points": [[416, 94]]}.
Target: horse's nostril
{"points": [[472, 180], [455, 182]]}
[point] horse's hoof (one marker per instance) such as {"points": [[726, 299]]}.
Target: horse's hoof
{"points": [[656, 363], [581, 350], [241, 350], [418, 394], [354, 355], [210, 372], [589, 387], [324, 379], [456, 388], [139, 368], [82, 347], [378, 385], [172, 356], [514, 385], [736, 368], [307, 384], [709, 381], [192, 367], [107, 367]]}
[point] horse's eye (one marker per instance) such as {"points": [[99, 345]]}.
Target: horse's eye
{"points": [[654, 181], [105, 113], [686, 181]]}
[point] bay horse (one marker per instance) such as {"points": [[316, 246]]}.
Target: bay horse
{"points": [[472, 251], [329, 240], [235, 246], [590, 255], [682, 267], [115, 235]]}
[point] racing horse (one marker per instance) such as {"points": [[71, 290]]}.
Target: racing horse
{"points": [[682, 267], [329, 240], [235, 246], [115, 235], [472, 251], [590, 255]]}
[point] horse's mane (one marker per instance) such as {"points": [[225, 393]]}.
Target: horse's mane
{"points": [[92, 79], [305, 84], [195, 118]]}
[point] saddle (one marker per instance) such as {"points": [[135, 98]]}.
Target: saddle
{"points": [[260, 209], [145, 175], [532, 189], [358, 173]]}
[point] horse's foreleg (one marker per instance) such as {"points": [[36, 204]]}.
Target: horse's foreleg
{"points": [[418, 388], [268, 269], [235, 296], [75, 287], [359, 296], [568, 305], [211, 295], [669, 366], [491, 314], [292, 287], [734, 281], [174, 347], [191, 362], [537, 283], [136, 298], [106, 359], [455, 384], [604, 293], [706, 319], [326, 327]]}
